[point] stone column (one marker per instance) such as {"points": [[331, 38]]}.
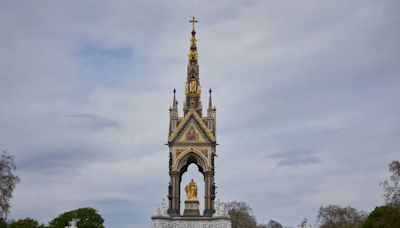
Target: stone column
{"points": [[174, 194], [209, 193]]}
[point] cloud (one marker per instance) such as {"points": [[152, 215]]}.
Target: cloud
{"points": [[295, 157], [90, 121]]}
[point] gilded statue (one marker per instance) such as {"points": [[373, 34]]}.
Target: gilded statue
{"points": [[191, 190], [193, 86]]}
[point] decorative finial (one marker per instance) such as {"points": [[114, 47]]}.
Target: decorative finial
{"points": [[174, 102], [193, 21], [209, 110]]}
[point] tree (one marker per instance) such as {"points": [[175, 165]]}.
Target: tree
{"points": [[241, 215], [8, 182], [333, 216], [392, 188], [383, 217], [3, 223], [85, 217], [26, 223]]}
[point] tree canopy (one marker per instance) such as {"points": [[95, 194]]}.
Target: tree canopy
{"points": [[26, 223], [333, 216], [3, 223], [383, 217], [241, 215], [85, 218]]}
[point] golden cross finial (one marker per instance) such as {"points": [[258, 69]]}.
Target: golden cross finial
{"points": [[193, 21]]}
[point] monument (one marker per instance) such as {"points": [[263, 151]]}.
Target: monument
{"points": [[191, 140]]}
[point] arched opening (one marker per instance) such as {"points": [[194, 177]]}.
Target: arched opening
{"points": [[192, 166], [192, 172], [204, 177]]}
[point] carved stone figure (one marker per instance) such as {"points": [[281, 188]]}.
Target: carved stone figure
{"points": [[72, 224]]}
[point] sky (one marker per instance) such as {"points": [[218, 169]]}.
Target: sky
{"points": [[307, 97]]}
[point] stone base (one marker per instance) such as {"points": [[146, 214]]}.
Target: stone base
{"points": [[191, 208], [190, 222]]}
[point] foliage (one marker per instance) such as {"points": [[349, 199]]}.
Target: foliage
{"points": [[26, 223], [85, 217], [392, 188], [333, 216], [3, 223], [8, 182], [383, 217], [241, 215]]}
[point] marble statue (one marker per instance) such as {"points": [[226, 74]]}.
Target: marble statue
{"points": [[161, 210], [72, 224], [164, 208], [220, 209], [157, 211]]}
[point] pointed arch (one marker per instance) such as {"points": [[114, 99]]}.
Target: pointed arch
{"points": [[192, 157]]}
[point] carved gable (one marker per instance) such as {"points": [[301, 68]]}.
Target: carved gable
{"points": [[192, 134], [192, 129]]}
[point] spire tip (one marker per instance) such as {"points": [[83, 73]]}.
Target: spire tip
{"points": [[193, 21]]}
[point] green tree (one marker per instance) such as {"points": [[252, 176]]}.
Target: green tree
{"points": [[241, 215], [26, 223], [383, 217], [333, 216], [8, 182], [85, 218], [3, 223], [392, 188]]}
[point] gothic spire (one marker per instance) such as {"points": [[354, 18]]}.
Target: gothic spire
{"points": [[174, 102], [174, 109], [193, 55], [210, 101], [192, 87], [210, 110]]}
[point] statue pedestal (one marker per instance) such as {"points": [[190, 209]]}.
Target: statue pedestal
{"points": [[191, 208], [192, 222]]}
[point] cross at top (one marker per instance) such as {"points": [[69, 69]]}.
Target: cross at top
{"points": [[193, 21]]}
